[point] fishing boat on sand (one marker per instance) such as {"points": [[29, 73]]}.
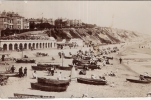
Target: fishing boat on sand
{"points": [[53, 82], [91, 81], [39, 86], [138, 81]]}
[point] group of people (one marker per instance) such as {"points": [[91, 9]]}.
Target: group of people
{"points": [[21, 72]]}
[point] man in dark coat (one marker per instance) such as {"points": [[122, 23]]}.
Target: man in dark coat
{"points": [[25, 71], [59, 54], [120, 60], [20, 72], [12, 69]]}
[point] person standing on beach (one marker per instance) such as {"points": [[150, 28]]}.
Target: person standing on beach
{"points": [[25, 71], [120, 60], [20, 72], [59, 54], [13, 69]]}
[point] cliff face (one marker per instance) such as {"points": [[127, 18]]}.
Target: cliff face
{"points": [[96, 35]]}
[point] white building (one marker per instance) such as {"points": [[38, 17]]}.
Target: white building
{"points": [[77, 41]]}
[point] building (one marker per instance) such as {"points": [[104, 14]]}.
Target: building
{"points": [[11, 20], [60, 22], [50, 21], [26, 24]]}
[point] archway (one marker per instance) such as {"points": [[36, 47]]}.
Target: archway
{"points": [[48, 45], [20, 46], [29, 45], [33, 46], [43, 45], [37, 45], [25, 46], [16, 46], [10, 47], [40, 45], [5, 47], [51, 45]]}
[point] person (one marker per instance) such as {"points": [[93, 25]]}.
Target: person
{"points": [[25, 71], [93, 77], [74, 61], [3, 57], [82, 72], [52, 70], [34, 75], [13, 69], [59, 54], [49, 71], [120, 60], [59, 76], [20, 72], [141, 77]]}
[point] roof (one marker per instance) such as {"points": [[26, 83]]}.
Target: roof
{"points": [[52, 38]]}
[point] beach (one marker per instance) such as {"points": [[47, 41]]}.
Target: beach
{"points": [[133, 65]]}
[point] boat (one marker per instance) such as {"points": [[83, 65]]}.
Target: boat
{"points": [[86, 58], [147, 77], [138, 81], [64, 67], [91, 81], [25, 61], [42, 87], [39, 68], [16, 74], [68, 57], [87, 65], [53, 82], [48, 65], [18, 95]]}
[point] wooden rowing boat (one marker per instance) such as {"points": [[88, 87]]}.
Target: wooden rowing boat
{"points": [[25, 61], [53, 82], [64, 67], [91, 81], [39, 68], [18, 95], [16, 74], [139, 81], [66, 57], [42, 87]]}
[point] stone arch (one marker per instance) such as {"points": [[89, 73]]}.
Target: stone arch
{"points": [[20, 46], [10, 46], [51, 45], [40, 45], [33, 45], [5, 47], [48, 45], [15, 46], [29, 45], [25, 46], [43, 45], [36, 45]]}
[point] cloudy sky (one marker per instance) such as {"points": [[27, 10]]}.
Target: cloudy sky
{"points": [[130, 15]]}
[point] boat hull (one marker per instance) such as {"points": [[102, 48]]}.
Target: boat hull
{"points": [[41, 87], [53, 82], [91, 81], [139, 81]]}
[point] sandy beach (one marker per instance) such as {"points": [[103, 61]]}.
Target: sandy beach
{"points": [[133, 65]]}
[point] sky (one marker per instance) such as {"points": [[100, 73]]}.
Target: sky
{"points": [[129, 15]]}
